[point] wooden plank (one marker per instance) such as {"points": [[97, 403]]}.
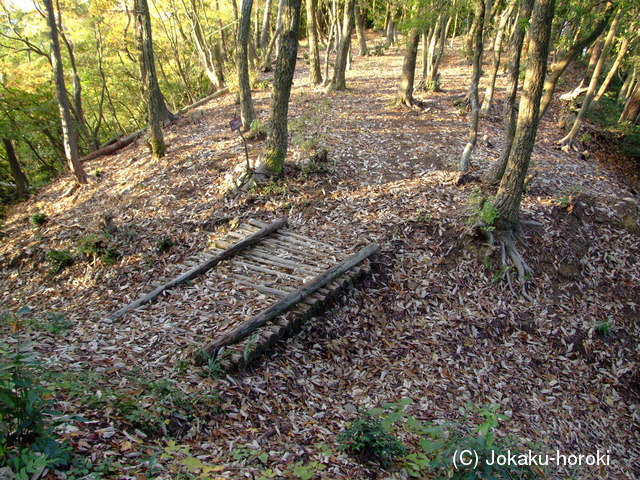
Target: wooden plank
{"points": [[247, 328], [201, 268], [303, 238]]}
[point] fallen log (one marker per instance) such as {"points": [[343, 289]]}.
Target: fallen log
{"points": [[201, 268], [114, 145], [247, 328]]}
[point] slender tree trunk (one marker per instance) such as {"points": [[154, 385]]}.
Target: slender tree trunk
{"points": [[315, 75], [596, 53], [264, 37], [576, 49], [627, 85], [247, 111], [497, 52], [69, 136], [632, 107], [327, 55], [76, 105], [405, 90], [614, 68], [276, 144], [153, 96], [279, 21], [362, 41], [465, 159], [16, 172], [338, 82], [209, 56], [509, 196], [509, 113], [567, 141]]}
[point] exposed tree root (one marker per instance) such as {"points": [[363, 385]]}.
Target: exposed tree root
{"points": [[510, 256]]}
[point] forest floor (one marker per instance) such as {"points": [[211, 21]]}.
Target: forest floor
{"points": [[431, 324]]}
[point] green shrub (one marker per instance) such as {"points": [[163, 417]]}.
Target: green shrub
{"points": [[38, 219], [27, 442], [367, 437], [164, 244], [59, 260], [99, 246]]}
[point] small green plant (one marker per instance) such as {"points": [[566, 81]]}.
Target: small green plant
{"points": [[164, 244], [423, 216], [27, 441], [585, 137], [98, 246], [378, 49], [604, 328], [483, 211], [59, 260], [38, 219], [258, 128], [368, 438]]}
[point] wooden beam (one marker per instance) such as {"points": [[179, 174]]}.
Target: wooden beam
{"points": [[247, 328], [201, 268]]}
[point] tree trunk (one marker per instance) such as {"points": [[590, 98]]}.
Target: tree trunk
{"points": [[559, 67], [264, 37], [465, 159], [69, 136], [76, 106], [16, 172], [627, 85], [315, 75], [497, 52], [276, 143], [509, 113], [153, 96], [509, 196], [247, 112], [362, 41], [614, 68], [632, 107], [209, 56], [338, 82], [596, 53], [405, 90], [568, 140]]}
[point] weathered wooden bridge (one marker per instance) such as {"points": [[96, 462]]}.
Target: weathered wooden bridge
{"points": [[298, 276]]}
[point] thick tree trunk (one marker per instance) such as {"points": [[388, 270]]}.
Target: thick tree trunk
{"points": [[568, 140], [264, 37], [510, 112], [276, 144], [338, 82], [405, 90], [576, 49], [509, 196], [465, 159], [153, 96], [362, 41], [16, 172], [497, 52], [632, 107], [247, 111], [69, 136], [315, 75], [614, 68]]}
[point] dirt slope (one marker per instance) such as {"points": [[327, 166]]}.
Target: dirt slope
{"points": [[431, 325]]}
